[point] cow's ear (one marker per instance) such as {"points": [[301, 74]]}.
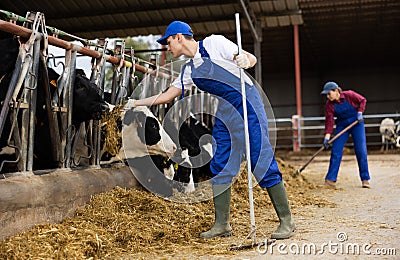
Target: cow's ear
{"points": [[80, 72]]}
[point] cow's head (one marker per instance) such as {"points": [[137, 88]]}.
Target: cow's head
{"points": [[143, 134], [88, 102]]}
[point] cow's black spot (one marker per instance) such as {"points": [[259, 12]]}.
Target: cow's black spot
{"points": [[152, 133], [148, 128]]}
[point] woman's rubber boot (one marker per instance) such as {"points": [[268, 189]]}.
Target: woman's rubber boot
{"points": [[279, 199], [222, 199]]}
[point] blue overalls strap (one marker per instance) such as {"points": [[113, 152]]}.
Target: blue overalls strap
{"points": [[202, 50], [204, 54]]}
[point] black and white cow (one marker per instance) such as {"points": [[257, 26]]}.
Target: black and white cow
{"points": [[87, 101], [87, 105], [146, 147], [142, 135]]}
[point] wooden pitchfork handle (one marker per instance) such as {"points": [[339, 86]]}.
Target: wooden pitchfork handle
{"points": [[323, 147]]}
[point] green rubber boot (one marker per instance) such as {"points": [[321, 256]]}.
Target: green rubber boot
{"points": [[279, 199], [222, 199]]}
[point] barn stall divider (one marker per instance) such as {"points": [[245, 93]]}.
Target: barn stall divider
{"points": [[29, 196]]}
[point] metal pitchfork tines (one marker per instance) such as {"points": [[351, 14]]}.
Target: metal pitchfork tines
{"points": [[254, 243]]}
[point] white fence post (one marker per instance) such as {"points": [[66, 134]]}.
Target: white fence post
{"points": [[296, 133]]}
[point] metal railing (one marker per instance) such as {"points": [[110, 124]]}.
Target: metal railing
{"points": [[308, 132], [20, 103]]}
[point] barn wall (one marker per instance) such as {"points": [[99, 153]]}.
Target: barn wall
{"points": [[379, 86], [27, 199]]}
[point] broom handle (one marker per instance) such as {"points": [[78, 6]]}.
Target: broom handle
{"points": [[246, 130], [330, 142]]}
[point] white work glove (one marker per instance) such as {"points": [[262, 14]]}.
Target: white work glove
{"points": [[130, 104], [242, 61]]}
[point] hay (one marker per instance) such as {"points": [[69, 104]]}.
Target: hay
{"points": [[111, 129], [138, 224]]}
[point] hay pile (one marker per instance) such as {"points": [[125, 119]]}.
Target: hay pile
{"points": [[138, 224]]}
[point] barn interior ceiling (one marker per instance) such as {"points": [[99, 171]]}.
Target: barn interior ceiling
{"points": [[333, 34]]}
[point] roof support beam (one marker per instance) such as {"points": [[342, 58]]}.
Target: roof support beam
{"points": [[281, 13], [257, 53], [251, 18], [256, 31]]}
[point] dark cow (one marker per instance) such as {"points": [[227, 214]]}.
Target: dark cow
{"points": [[87, 105], [87, 101], [8, 53]]}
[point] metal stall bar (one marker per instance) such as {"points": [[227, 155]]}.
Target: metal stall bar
{"points": [[25, 32], [29, 54], [67, 101], [31, 91], [92, 135]]}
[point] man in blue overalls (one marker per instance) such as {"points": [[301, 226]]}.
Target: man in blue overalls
{"points": [[213, 68], [347, 106]]}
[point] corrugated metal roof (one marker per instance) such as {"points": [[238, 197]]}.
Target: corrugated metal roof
{"points": [[112, 18], [352, 33]]}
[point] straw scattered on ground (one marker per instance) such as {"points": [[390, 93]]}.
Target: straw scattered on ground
{"points": [[138, 224]]}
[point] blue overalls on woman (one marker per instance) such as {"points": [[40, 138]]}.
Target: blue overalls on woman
{"points": [[348, 107]]}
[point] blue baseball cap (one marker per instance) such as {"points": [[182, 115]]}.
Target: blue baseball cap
{"points": [[328, 87], [175, 28]]}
